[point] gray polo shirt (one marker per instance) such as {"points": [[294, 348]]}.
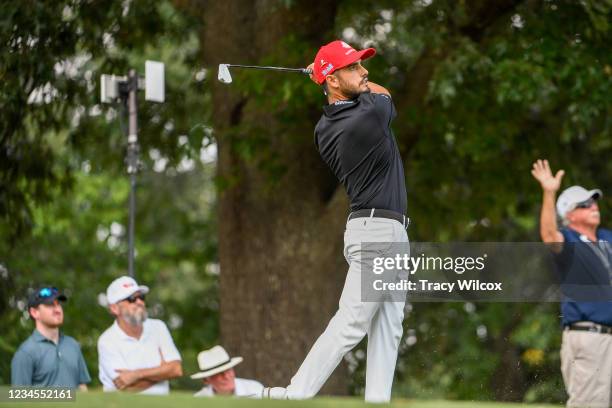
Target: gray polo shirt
{"points": [[39, 361]]}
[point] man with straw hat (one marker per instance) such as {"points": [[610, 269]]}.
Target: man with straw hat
{"points": [[217, 374]]}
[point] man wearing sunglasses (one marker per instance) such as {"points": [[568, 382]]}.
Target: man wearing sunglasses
{"points": [[135, 353], [48, 357], [583, 253]]}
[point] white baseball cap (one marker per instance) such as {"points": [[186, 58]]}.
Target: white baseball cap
{"points": [[572, 196], [122, 288], [214, 361]]}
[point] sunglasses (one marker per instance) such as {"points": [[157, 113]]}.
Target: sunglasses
{"points": [[47, 292], [586, 204], [134, 298]]}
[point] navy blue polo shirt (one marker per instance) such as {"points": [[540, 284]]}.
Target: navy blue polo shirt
{"points": [[586, 268], [41, 362]]}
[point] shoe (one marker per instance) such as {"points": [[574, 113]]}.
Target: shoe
{"points": [[274, 393]]}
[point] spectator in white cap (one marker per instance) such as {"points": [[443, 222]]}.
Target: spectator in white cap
{"points": [[217, 374], [582, 250], [135, 353]]}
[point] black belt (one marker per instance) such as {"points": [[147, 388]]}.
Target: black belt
{"points": [[380, 213], [590, 327]]}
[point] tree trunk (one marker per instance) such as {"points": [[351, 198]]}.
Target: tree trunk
{"points": [[280, 245]]}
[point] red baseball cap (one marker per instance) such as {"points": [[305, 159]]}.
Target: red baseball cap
{"points": [[335, 55]]}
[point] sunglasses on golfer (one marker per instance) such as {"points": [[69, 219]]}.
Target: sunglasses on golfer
{"points": [[586, 204], [134, 298]]}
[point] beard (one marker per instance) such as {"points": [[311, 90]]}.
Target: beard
{"points": [[353, 91], [135, 318]]}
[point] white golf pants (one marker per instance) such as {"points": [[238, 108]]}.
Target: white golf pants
{"points": [[381, 321]]}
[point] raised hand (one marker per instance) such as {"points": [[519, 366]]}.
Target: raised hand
{"points": [[542, 173]]}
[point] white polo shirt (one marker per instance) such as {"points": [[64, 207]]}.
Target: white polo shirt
{"points": [[244, 388], [117, 350]]}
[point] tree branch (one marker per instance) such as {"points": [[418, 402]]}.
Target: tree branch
{"points": [[484, 15]]}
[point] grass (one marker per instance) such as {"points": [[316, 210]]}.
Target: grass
{"points": [[97, 399]]}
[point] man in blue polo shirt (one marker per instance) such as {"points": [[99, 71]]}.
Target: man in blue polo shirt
{"points": [[584, 251], [49, 358]]}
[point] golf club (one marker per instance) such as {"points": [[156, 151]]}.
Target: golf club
{"points": [[225, 76]]}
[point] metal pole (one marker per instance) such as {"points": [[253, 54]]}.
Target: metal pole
{"points": [[132, 161]]}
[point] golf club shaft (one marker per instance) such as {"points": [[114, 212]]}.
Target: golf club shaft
{"points": [[302, 70]]}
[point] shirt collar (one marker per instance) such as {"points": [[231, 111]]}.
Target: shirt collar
{"points": [[124, 336], [583, 237], [339, 106], [37, 336]]}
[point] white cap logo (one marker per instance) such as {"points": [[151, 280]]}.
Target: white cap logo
{"points": [[122, 288]]}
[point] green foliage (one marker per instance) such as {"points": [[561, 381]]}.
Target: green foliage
{"points": [[51, 120], [499, 92], [64, 191]]}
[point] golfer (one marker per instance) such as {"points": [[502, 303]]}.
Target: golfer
{"points": [[584, 251], [354, 138]]}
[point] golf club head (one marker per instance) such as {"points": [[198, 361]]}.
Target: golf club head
{"points": [[224, 74]]}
